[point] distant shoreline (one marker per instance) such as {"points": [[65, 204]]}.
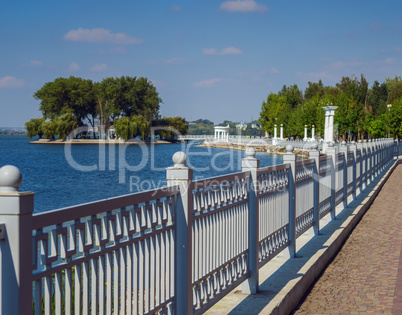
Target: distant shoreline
{"points": [[96, 141]]}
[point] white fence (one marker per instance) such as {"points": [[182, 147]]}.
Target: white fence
{"points": [[176, 250]]}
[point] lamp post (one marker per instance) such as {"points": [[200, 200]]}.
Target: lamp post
{"points": [[389, 113]]}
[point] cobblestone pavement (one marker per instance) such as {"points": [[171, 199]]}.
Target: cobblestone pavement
{"points": [[366, 275]]}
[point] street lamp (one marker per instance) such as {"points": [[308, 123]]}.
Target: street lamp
{"points": [[389, 113]]}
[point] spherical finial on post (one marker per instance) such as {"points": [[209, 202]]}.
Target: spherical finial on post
{"points": [[343, 142], [331, 144], [250, 153], [360, 141], [314, 146], [179, 159], [289, 148], [10, 179]]}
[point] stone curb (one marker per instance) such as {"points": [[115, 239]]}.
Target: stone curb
{"points": [[294, 291]]}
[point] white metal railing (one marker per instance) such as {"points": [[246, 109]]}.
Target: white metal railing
{"points": [[174, 250]]}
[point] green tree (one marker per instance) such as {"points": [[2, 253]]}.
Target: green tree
{"points": [[376, 127], [126, 96], [124, 128], [34, 127], [66, 123], [172, 126], [395, 92], [293, 95], [49, 129], [68, 95], [395, 119], [141, 125], [377, 98], [270, 110], [314, 89]]}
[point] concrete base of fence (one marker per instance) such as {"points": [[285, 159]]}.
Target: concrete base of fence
{"points": [[284, 281]]}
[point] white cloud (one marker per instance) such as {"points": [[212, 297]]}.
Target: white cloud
{"points": [[243, 6], [99, 67], [174, 61], [389, 61], [36, 63], [274, 70], [175, 8], [9, 82], [225, 51], [314, 76], [100, 35], [207, 83], [73, 66]]}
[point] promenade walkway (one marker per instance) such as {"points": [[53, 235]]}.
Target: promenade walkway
{"points": [[366, 275], [367, 279]]}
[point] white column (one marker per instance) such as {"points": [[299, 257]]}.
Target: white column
{"points": [[275, 135], [329, 125], [305, 133], [312, 133], [281, 131]]}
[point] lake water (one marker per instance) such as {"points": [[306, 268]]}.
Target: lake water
{"points": [[62, 176]]}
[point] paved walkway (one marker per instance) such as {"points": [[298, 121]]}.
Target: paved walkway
{"points": [[366, 275]]}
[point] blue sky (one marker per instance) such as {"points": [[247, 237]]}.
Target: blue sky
{"points": [[208, 59]]}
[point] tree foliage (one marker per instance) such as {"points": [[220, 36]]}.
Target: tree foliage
{"points": [[102, 102], [34, 127], [361, 110]]}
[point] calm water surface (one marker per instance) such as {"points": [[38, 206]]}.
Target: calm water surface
{"points": [[92, 172]]}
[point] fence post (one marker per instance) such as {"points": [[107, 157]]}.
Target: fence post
{"points": [[360, 147], [371, 149], [181, 175], [315, 154], [366, 162], [15, 243], [354, 150], [344, 149], [290, 158], [331, 151], [250, 163], [375, 156]]}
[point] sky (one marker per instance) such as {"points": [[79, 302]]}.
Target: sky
{"points": [[209, 59]]}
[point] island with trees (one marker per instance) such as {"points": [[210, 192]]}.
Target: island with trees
{"points": [[128, 104]]}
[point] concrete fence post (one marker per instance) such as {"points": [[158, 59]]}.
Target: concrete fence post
{"points": [[366, 161], [331, 151], [181, 175], [370, 161], [360, 147], [16, 210], [250, 163], [375, 156], [353, 148], [315, 154], [344, 149], [290, 158]]}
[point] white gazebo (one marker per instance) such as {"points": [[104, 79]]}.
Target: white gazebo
{"points": [[222, 133]]}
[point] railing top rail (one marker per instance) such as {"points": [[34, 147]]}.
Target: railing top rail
{"points": [[218, 180], [40, 220], [273, 168], [324, 158], [304, 162]]}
